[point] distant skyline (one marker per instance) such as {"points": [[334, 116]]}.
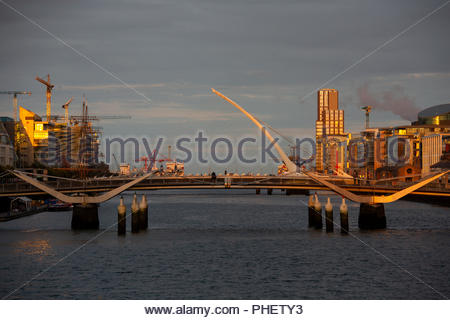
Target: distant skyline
{"points": [[266, 55]]}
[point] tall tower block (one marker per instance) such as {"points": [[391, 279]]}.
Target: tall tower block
{"points": [[330, 122]]}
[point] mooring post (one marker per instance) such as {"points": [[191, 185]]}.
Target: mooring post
{"points": [[121, 218], [143, 213], [134, 215], [311, 211], [371, 216], [343, 211], [318, 224], [329, 216]]}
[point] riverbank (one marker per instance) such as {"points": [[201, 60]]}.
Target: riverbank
{"points": [[7, 216]]}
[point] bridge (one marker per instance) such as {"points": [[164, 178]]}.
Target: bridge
{"points": [[368, 192], [87, 194]]}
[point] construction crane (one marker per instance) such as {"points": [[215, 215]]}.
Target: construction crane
{"points": [[97, 118], [15, 93], [151, 161], [89, 117], [145, 159], [77, 119], [65, 106], [49, 94], [367, 109]]}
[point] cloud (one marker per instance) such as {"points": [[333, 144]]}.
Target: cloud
{"points": [[394, 100], [428, 75], [256, 96], [112, 86], [296, 132], [186, 114], [169, 112]]}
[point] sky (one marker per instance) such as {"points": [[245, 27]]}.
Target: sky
{"points": [[157, 60]]}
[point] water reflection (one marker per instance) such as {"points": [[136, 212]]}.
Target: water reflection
{"points": [[38, 247]]}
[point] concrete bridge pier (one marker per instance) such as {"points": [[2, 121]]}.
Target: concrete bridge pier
{"points": [[121, 218], [311, 211], [85, 216], [134, 215], [318, 224], [329, 223], [143, 213], [371, 216], [297, 191], [343, 212]]}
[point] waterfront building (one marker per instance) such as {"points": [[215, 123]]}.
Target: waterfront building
{"points": [[410, 150], [433, 147], [6, 148], [435, 115]]}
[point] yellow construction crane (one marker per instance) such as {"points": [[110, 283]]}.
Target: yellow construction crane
{"points": [[15, 93], [49, 94], [368, 109], [65, 106]]}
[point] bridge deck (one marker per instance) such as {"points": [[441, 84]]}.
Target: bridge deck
{"points": [[16, 187]]}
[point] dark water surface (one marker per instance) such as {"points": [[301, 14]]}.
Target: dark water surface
{"points": [[228, 245]]}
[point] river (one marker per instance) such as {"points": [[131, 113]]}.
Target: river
{"points": [[228, 244]]}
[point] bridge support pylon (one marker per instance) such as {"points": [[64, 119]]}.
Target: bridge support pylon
{"points": [[85, 216], [371, 216]]}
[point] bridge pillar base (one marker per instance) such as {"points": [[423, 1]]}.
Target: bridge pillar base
{"points": [[85, 216], [371, 216], [297, 191], [269, 191]]}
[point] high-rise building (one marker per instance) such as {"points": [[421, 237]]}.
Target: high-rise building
{"points": [[329, 131], [327, 99]]}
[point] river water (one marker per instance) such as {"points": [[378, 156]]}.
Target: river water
{"points": [[228, 244]]}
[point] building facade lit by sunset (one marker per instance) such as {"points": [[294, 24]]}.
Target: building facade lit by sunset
{"points": [[409, 151], [330, 132]]}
